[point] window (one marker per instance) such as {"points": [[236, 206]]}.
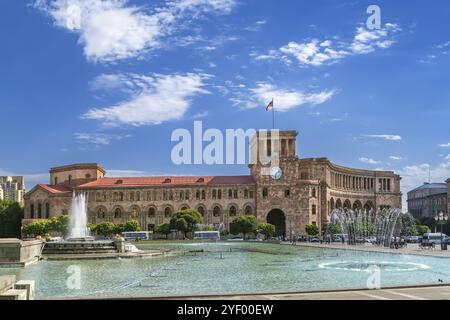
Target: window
{"points": [[101, 213], [287, 193], [214, 194], [248, 211], [47, 210], [56, 180], [138, 196], [265, 193], [200, 180], [131, 196], [313, 192], [120, 196], [151, 212], [39, 211], [230, 194], [117, 213], [134, 212], [167, 212], [201, 210], [203, 195], [236, 194], [219, 194], [197, 195], [313, 209], [251, 194], [216, 212], [233, 211], [32, 211], [168, 180], [246, 194]]}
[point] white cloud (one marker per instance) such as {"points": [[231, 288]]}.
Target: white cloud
{"points": [[368, 160], [99, 138], [317, 52], [284, 99], [156, 98], [111, 30], [445, 145], [396, 158], [388, 137]]}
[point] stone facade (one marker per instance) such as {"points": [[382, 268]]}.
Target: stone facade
{"points": [[306, 193]]}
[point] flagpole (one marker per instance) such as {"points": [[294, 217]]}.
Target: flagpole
{"points": [[273, 115]]}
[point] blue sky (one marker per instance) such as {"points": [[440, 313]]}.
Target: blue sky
{"points": [[108, 81]]}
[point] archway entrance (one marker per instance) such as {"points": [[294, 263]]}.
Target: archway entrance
{"points": [[278, 219]]}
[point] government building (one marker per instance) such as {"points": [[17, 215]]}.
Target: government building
{"points": [[302, 192]]}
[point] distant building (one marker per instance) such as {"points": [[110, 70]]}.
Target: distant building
{"points": [[12, 188], [429, 199], [448, 196]]}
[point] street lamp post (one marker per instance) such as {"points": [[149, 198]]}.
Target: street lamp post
{"points": [[441, 219]]}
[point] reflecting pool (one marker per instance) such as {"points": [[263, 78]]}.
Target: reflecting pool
{"points": [[229, 267]]}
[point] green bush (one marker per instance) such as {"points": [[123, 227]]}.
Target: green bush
{"points": [[244, 225], [312, 230], [163, 229], [266, 229]]}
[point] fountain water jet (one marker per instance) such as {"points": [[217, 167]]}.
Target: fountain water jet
{"points": [[382, 226], [78, 228]]}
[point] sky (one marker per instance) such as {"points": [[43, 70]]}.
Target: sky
{"points": [[109, 81]]}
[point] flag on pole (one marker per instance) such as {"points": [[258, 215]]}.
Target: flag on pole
{"points": [[269, 106]]}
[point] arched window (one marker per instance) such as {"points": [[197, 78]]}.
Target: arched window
{"points": [[131, 196], [151, 212], [219, 194], [120, 196], [197, 195], [167, 212], [138, 196], [230, 194], [201, 210], [313, 192], [248, 211], [265, 193], [118, 214], [246, 194], [203, 195], [214, 194], [236, 194], [101, 213], [39, 211], [233, 211], [134, 212], [216, 212], [32, 211], [313, 209], [47, 210]]}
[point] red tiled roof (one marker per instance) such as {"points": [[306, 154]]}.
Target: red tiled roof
{"points": [[55, 188], [166, 181]]}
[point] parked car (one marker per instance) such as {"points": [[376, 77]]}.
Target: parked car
{"points": [[412, 239], [434, 238], [302, 238], [315, 239]]}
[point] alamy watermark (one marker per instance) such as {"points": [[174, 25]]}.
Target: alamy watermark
{"points": [[232, 147]]}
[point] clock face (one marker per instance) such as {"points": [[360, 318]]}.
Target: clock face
{"points": [[276, 173]]}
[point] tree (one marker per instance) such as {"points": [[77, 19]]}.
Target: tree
{"points": [[192, 219], [131, 226], [36, 229], [59, 224], [266, 229], [244, 225], [163, 229], [312, 230], [105, 229], [333, 228], [11, 215], [180, 225], [421, 229]]}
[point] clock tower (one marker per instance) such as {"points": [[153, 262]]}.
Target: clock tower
{"points": [[277, 181]]}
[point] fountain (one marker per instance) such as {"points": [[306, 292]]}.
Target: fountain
{"points": [[78, 229], [380, 228]]}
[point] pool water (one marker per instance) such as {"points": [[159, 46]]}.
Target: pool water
{"points": [[229, 267]]}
